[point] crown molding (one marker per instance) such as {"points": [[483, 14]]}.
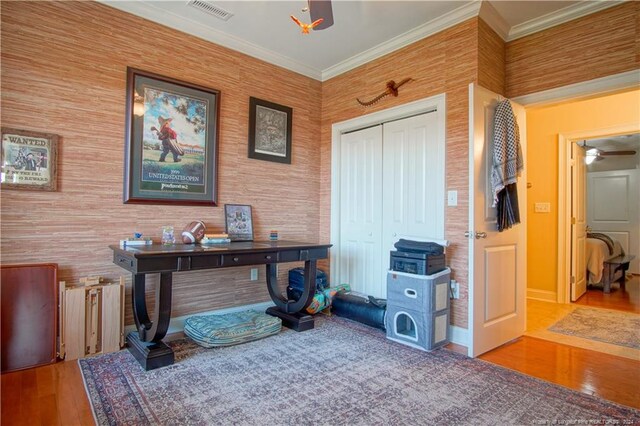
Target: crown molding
{"points": [[434, 26], [558, 17], [146, 10], [482, 8], [491, 16], [597, 86]]}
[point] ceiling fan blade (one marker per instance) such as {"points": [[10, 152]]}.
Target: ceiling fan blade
{"points": [[321, 9], [617, 153]]}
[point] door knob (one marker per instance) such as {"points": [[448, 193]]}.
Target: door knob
{"points": [[477, 235]]}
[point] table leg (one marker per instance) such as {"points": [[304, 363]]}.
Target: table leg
{"points": [[291, 312], [146, 344], [623, 277]]}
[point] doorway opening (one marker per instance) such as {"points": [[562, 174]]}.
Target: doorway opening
{"points": [[563, 129], [609, 200], [610, 203]]}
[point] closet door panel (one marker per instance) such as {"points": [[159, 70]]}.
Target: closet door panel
{"points": [[361, 210], [413, 180]]}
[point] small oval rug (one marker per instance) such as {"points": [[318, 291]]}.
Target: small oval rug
{"points": [[614, 327]]}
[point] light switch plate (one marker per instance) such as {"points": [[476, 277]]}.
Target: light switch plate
{"points": [[452, 198], [542, 207]]}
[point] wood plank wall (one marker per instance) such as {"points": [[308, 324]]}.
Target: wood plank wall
{"points": [[443, 63], [64, 72], [597, 45]]}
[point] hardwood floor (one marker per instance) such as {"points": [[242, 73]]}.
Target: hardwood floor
{"points": [[607, 376], [611, 377], [49, 395], [55, 395], [619, 299]]}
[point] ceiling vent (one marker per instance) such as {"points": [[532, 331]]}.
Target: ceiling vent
{"points": [[211, 9]]}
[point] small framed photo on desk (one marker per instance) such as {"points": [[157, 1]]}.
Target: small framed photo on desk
{"points": [[238, 222]]}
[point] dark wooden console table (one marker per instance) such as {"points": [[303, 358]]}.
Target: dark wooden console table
{"points": [[146, 344]]}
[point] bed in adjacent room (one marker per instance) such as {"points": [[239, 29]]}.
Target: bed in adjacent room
{"points": [[606, 260]]}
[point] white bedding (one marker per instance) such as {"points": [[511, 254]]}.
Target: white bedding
{"points": [[597, 253]]}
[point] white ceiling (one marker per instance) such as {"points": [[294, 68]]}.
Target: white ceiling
{"points": [[363, 30], [629, 142]]}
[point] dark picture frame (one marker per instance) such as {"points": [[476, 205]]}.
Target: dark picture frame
{"points": [[270, 127], [171, 151], [29, 160], [238, 222]]}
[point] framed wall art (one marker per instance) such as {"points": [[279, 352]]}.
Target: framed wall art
{"points": [[269, 131], [238, 222], [29, 160], [171, 141]]}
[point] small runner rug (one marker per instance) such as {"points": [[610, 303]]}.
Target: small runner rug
{"points": [[614, 327], [340, 373]]}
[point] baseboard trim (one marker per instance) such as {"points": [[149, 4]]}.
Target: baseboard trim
{"points": [[459, 335], [544, 295], [176, 325]]}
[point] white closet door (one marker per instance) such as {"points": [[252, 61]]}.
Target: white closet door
{"points": [[391, 187], [361, 210], [413, 182]]}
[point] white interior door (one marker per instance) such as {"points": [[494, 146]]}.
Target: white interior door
{"points": [[361, 210], [413, 182], [613, 208], [578, 222], [497, 260]]}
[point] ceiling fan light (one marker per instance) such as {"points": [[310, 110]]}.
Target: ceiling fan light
{"points": [[593, 151], [590, 158]]}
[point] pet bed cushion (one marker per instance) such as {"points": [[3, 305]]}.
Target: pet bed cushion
{"points": [[231, 329]]}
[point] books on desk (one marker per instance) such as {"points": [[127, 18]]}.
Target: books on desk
{"points": [[129, 242], [216, 236], [210, 240]]}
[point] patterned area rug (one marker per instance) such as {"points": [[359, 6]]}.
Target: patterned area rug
{"points": [[341, 373], [615, 327]]}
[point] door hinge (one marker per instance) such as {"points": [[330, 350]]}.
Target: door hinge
{"points": [[573, 220], [573, 279]]}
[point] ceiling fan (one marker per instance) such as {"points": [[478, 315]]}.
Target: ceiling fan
{"points": [[321, 14], [596, 154], [321, 9]]}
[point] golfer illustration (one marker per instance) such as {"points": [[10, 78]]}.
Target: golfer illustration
{"points": [[169, 140]]}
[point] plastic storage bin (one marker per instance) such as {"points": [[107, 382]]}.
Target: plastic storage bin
{"points": [[428, 293], [417, 329], [418, 309]]}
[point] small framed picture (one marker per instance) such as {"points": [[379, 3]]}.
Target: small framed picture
{"points": [[269, 131], [29, 160], [238, 222]]}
